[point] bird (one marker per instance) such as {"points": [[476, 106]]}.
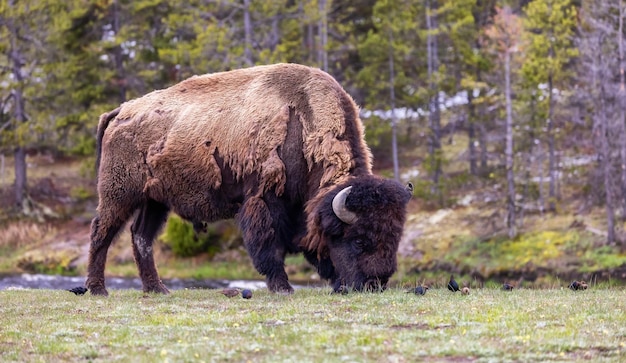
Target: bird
{"points": [[465, 290], [78, 290], [507, 287], [246, 294], [230, 292], [453, 285], [420, 290], [575, 285]]}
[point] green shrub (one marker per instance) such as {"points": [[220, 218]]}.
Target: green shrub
{"points": [[184, 241], [49, 262]]}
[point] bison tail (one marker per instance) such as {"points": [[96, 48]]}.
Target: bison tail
{"points": [[105, 118]]}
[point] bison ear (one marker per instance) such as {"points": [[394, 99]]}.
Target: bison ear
{"points": [[409, 187], [331, 226]]}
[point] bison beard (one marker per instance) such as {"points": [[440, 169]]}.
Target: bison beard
{"points": [[280, 148]]}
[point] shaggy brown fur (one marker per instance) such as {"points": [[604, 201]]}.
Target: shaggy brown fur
{"points": [[268, 142]]}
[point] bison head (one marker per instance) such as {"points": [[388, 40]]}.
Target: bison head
{"points": [[361, 223]]}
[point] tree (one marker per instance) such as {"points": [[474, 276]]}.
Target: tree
{"points": [[434, 110], [506, 32], [24, 34], [601, 65], [463, 22], [621, 101], [549, 29], [383, 75]]}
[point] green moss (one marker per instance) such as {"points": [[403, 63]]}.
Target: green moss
{"points": [[600, 258], [549, 250], [536, 248]]}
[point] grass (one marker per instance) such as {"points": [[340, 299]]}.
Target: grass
{"points": [[315, 326]]}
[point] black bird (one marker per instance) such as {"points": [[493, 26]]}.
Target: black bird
{"points": [[453, 285], [507, 287], [575, 285], [78, 290], [420, 290], [246, 294]]}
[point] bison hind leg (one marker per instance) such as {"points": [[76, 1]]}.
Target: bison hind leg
{"points": [[148, 222], [104, 228]]}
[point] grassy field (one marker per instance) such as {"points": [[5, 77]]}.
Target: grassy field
{"points": [[489, 325]]}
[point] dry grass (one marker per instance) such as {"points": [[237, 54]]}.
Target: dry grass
{"points": [[17, 235]]}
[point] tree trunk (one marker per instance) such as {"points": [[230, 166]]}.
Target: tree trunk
{"points": [[310, 38], [394, 121], [247, 26], [605, 165], [323, 35], [530, 160], [551, 150], [20, 175], [542, 194], [434, 113], [118, 57], [482, 141], [471, 132], [511, 222], [621, 101], [1, 169], [275, 38], [19, 114]]}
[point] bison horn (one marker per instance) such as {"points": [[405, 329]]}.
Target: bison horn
{"points": [[339, 207]]}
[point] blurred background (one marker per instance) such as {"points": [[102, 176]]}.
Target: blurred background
{"points": [[509, 118]]}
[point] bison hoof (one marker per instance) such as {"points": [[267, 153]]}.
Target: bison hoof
{"points": [[98, 291], [159, 289], [281, 287]]}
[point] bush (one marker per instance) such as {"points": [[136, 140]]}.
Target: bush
{"points": [[41, 261], [184, 241]]}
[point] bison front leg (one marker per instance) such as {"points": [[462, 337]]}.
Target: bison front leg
{"points": [[145, 227], [262, 232]]}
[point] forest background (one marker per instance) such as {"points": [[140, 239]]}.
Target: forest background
{"points": [[508, 116]]}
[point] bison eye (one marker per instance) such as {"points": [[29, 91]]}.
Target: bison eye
{"points": [[362, 245]]}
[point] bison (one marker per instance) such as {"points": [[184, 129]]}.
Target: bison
{"points": [[280, 148]]}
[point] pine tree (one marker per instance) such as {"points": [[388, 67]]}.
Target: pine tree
{"points": [[24, 30], [549, 29], [384, 53]]}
